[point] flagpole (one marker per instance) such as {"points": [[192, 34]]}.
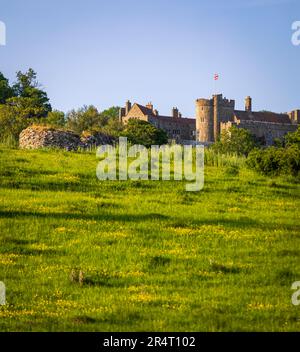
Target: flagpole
{"points": [[216, 78]]}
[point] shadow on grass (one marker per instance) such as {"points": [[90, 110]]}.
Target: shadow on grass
{"points": [[84, 319], [225, 269], [285, 277], [17, 241], [240, 223], [99, 217], [30, 251], [159, 261], [86, 183], [104, 282]]}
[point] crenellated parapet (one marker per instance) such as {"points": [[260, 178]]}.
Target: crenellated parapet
{"points": [[210, 113]]}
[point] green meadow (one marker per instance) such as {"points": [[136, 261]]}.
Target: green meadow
{"points": [[152, 256]]}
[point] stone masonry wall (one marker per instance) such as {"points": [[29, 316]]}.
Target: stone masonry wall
{"points": [[35, 137]]}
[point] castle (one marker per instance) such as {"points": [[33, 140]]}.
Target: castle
{"points": [[178, 129], [212, 117]]}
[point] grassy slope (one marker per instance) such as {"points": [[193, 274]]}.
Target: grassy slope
{"points": [[154, 256]]}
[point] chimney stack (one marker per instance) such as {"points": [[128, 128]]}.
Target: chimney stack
{"points": [[175, 113], [248, 104], [150, 106], [121, 114], [127, 107]]}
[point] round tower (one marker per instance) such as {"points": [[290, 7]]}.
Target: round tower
{"points": [[204, 120]]}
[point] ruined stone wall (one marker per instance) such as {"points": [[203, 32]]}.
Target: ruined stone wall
{"points": [[35, 137]]}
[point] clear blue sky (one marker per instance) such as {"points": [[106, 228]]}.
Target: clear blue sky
{"points": [[164, 51]]}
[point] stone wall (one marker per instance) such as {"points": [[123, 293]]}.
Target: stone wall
{"points": [[94, 139], [178, 129], [265, 131], [35, 137]]}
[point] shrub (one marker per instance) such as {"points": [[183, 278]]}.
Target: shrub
{"points": [[142, 132], [275, 161], [232, 170], [293, 138], [83, 119], [56, 118], [11, 124], [235, 140], [290, 161]]}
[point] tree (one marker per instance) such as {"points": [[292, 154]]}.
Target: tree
{"points": [[84, 119], [113, 127], [293, 138], [24, 82], [11, 123], [6, 91], [142, 132], [29, 99], [109, 114], [274, 161], [21, 105], [110, 121], [235, 140], [56, 118], [283, 159]]}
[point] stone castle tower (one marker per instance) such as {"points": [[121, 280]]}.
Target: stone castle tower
{"points": [[210, 113]]}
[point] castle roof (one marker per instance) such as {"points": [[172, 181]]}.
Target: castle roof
{"points": [[262, 116], [145, 110], [180, 120]]}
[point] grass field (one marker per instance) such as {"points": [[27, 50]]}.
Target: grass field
{"points": [[154, 256]]}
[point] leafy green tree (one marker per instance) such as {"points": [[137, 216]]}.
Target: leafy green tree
{"points": [[84, 119], [293, 138], [109, 114], [274, 161], [142, 132], [21, 105], [6, 91], [235, 140], [29, 99], [11, 123], [113, 127], [56, 118], [110, 121], [28, 107]]}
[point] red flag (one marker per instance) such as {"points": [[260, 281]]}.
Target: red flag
{"points": [[216, 76]]}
